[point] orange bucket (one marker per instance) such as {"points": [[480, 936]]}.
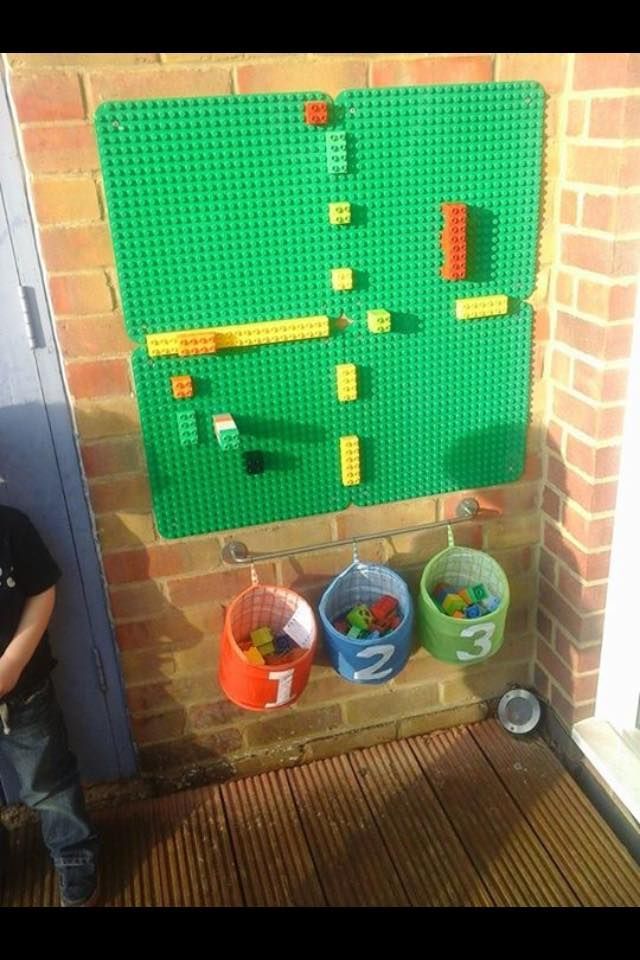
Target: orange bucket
{"points": [[264, 687]]}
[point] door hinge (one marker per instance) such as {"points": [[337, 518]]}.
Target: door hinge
{"points": [[102, 680], [28, 304]]}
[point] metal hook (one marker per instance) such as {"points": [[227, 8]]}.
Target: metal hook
{"points": [[255, 580], [356, 556]]}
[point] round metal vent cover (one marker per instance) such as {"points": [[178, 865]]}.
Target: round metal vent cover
{"points": [[519, 711]]}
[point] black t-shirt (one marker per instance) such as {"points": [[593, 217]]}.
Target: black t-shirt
{"points": [[26, 569]]}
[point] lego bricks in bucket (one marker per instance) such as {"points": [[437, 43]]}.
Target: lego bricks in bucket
{"points": [[267, 648], [366, 613], [462, 605]]}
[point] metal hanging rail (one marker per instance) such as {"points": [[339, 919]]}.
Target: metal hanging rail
{"points": [[237, 553]]}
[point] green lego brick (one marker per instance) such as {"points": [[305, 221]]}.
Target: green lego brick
{"points": [[187, 427], [218, 214]]}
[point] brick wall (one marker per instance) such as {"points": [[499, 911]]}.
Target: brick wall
{"points": [[592, 303], [167, 596]]}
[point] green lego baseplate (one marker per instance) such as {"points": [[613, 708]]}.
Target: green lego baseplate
{"points": [[219, 213]]}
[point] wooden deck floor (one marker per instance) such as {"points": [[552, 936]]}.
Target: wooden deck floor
{"points": [[466, 816]]}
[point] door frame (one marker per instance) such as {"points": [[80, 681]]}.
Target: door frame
{"points": [[611, 739], [31, 276]]}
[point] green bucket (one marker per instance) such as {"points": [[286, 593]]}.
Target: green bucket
{"points": [[462, 641]]}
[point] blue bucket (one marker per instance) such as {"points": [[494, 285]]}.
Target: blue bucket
{"points": [[367, 661]]}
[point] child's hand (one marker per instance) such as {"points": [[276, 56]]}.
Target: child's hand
{"points": [[9, 675]]}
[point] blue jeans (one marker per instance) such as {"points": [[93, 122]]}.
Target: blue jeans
{"points": [[36, 747]]}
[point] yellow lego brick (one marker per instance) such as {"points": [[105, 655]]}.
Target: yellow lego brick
{"points": [[378, 321], [254, 656], [271, 331], [346, 382], [186, 343], [339, 213], [473, 307], [342, 278], [350, 461], [162, 344]]}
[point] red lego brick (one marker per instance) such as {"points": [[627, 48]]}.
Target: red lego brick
{"points": [[316, 112]]}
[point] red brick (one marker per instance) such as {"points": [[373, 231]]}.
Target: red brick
{"points": [[150, 84], [601, 71], [593, 164], [554, 436], [579, 659], [549, 69], [65, 201], [587, 599], [615, 117], [610, 423], [607, 461], [592, 533], [585, 629], [541, 682], [599, 462], [592, 497], [98, 378], [600, 384], [565, 286], [159, 560], [76, 248], [551, 503], [541, 324], [605, 301], [590, 566], [548, 566], [561, 366], [575, 117], [568, 712], [329, 74], [60, 149], [121, 493], [574, 411], [607, 117], [629, 167], [83, 293], [98, 337], [545, 626], [559, 608], [589, 253], [108, 457], [554, 666], [213, 587], [428, 70], [569, 207], [626, 258], [171, 629], [47, 96], [137, 602]]}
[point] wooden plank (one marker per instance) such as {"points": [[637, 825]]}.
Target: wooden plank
{"points": [[352, 861], [506, 852], [274, 861], [581, 843], [433, 864]]}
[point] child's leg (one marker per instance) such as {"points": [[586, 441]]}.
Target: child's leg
{"points": [[37, 748]]}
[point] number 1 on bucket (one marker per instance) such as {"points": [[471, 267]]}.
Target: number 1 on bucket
{"points": [[284, 679]]}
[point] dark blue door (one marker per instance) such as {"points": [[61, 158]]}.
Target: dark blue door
{"points": [[40, 474]]}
